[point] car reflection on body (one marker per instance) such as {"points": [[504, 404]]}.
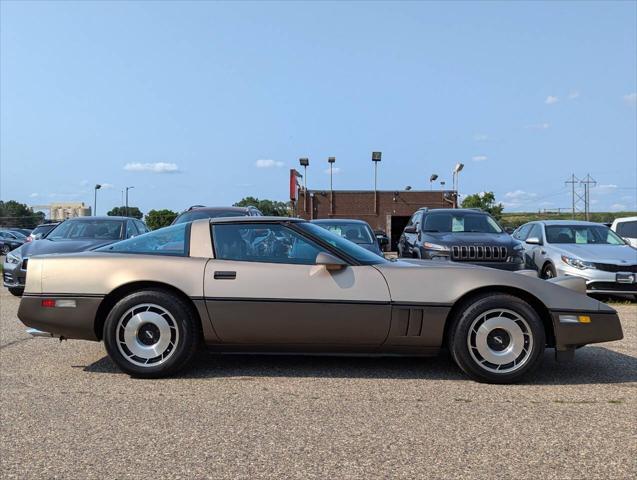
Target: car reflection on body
{"points": [[588, 250], [282, 285]]}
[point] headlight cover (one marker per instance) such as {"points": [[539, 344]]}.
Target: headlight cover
{"points": [[12, 259], [518, 247], [577, 263], [436, 247]]}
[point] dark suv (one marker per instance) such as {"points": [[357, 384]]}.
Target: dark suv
{"points": [[461, 235], [197, 212]]}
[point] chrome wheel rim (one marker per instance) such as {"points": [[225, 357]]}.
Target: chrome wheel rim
{"points": [[500, 341], [147, 335]]}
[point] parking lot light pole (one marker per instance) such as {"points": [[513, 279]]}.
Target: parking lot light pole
{"points": [[456, 172], [127, 189], [331, 161], [432, 179], [304, 162], [376, 156], [97, 187]]}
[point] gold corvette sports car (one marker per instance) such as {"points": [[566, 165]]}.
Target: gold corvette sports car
{"points": [[282, 285]]}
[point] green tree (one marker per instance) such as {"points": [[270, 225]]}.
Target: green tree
{"points": [[160, 218], [16, 214], [267, 207], [484, 201], [133, 212]]}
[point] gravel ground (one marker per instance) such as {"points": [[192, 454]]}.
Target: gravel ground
{"points": [[66, 412]]}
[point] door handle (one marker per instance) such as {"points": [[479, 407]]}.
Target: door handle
{"points": [[225, 275]]}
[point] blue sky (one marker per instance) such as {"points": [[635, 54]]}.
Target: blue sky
{"points": [[205, 103]]}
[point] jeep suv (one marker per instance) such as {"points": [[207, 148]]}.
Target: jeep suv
{"points": [[460, 235]]}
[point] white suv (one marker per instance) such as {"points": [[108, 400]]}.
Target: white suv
{"points": [[627, 229]]}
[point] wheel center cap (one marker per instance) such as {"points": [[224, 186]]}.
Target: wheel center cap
{"points": [[148, 334], [498, 339]]}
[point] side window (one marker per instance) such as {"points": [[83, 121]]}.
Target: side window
{"points": [[627, 229], [267, 243], [131, 231], [536, 231], [165, 241], [523, 232], [141, 226]]}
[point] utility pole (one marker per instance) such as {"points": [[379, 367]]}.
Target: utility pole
{"points": [[331, 161], [573, 181], [588, 181], [127, 189], [376, 157]]}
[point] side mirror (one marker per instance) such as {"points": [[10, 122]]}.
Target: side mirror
{"points": [[382, 240], [533, 241], [329, 261], [411, 229]]}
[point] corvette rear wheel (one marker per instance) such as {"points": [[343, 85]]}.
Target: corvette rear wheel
{"points": [[498, 338], [151, 334]]}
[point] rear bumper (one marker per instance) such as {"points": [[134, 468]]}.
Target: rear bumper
{"points": [[569, 332], [76, 322]]}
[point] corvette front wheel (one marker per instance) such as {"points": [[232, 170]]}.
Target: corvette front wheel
{"points": [[498, 338], [151, 334]]}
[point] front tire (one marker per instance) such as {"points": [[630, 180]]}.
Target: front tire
{"points": [[16, 291], [151, 334], [497, 338], [548, 271]]}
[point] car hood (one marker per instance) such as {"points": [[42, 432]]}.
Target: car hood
{"points": [[615, 254], [455, 238], [45, 246]]}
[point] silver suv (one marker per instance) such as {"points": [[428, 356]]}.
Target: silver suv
{"points": [[583, 249]]}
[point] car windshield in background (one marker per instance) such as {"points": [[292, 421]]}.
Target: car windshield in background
{"points": [[88, 230], [460, 222], [582, 235], [354, 232], [199, 214], [364, 257], [42, 230], [165, 241]]}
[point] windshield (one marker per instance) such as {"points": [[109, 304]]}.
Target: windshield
{"points": [[460, 222], [364, 257], [87, 230], [582, 235], [354, 232], [199, 214]]}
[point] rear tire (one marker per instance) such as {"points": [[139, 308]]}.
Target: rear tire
{"points": [[151, 334], [16, 291], [497, 338]]}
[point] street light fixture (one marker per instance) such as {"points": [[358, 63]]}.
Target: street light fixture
{"points": [[97, 187], [456, 172], [127, 189], [304, 162], [376, 156], [432, 179], [331, 161]]}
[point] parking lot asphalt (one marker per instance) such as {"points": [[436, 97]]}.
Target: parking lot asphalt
{"points": [[67, 412]]}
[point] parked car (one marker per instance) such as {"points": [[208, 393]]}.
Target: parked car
{"points": [[73, 235], [41, 231], [356, 231], [627, 229], [197, 212], [461, 235], [155, 298], [588, 250], [24, 231], [10, 240], [383, 239]]}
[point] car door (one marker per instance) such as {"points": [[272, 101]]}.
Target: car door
{"points": [[263, 288], [536, 253], [411, 233]]}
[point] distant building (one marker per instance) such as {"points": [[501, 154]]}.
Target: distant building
{"points": [[387, 210], [62, 211]]}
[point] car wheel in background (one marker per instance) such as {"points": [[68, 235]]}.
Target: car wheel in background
{"points": [[497, 338], [548, 271], [5, 249], [151, 333], [16, 292]]}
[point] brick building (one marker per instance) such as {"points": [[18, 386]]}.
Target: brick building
{"points": [[383, 210]]}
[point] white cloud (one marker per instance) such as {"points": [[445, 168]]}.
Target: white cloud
{"points": [[573, 95], [107, 186], [539, 126], [618, 207], [34, 195], [605, 188], [520, 195], [335, 170], [84, 183], [479, 158], [157, 167], [550, 100], [268, 163], [480, 137], [631, 99]]}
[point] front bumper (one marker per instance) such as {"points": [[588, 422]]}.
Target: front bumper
{"points": [[600, 281], [601, 326], [76, 322], [14, 274]]}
